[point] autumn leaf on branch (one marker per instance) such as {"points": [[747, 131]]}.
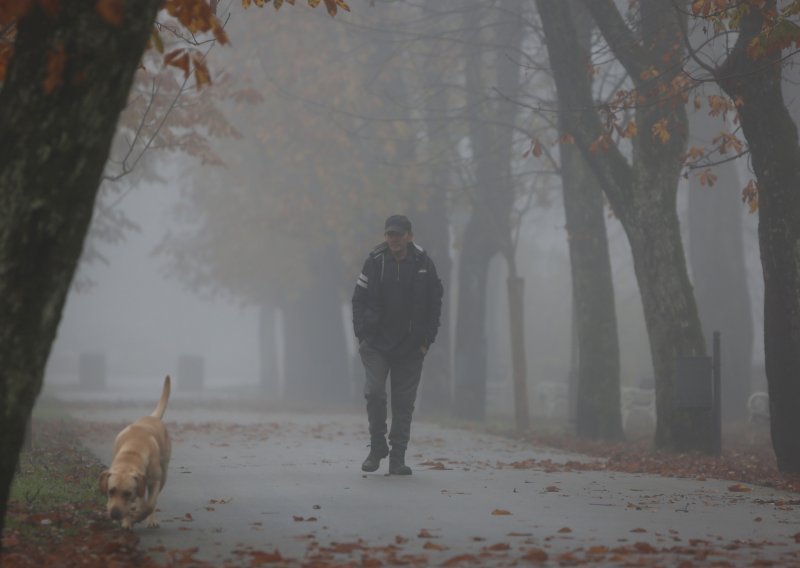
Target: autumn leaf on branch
{"points": [[112, 11], [332, 6], [705, 7], [694, 153], [750, 196], [630, 130], [728, 141], [707, 178], [601, 144], [719, 105], [197, 17], [661, 131], [535, 149]]}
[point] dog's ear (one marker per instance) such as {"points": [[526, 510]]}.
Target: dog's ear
{"points": [[140, 486], [103, 480]]}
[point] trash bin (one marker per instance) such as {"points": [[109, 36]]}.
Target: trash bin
{"points": [[696, 393]]}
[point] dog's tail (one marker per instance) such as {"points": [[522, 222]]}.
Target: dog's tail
{"points": [[162, 404]]}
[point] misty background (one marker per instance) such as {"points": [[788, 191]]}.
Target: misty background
{"points": [[320, 158]]}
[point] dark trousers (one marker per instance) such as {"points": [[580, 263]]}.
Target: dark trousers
{"points": [[404, 373]]}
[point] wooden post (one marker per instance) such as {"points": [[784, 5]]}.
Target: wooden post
{"points": [[516, 317]]}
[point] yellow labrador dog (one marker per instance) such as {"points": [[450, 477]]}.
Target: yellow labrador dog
{"points": [[141, 457]]}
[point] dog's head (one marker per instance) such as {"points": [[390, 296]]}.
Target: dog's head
{"points": [[125, 493]]}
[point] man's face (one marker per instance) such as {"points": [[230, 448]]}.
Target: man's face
{"points": [[398, 242]]}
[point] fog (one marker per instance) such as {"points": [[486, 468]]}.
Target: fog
{"points": [[142, 321], [247, 258]]}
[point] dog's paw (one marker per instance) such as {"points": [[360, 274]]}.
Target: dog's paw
{"points": [[127, 524], [152, 523]]}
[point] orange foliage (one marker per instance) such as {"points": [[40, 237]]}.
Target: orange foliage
{"points": [[196, 16], [661, 131], [112, 11], [707, 178], [750, 196], [332, 6], [779, 29], [56, 60]]}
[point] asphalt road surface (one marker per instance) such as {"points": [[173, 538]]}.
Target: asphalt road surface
{"points": [[248, 488]]}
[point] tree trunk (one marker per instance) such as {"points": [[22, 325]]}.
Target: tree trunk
{"points": [[519, 364], [672, 322], [52, 153], [643, 193], [597, 408], [469, 396], [489, 229], [598, 414], [316, 349], [772, 137], [436, 384]]}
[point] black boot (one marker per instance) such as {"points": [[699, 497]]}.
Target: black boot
{"points": [[397, 463], [376, 454]]}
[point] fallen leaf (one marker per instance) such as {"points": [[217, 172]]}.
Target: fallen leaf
{"points": [[739, 488], [257, 557], [535, 555], [500, 512], [565, 530], [498, 546], [461, 559], [345, 547], [433, 546], [645, 548]]}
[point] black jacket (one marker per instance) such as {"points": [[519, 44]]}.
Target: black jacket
{"points": [[397, 305]]}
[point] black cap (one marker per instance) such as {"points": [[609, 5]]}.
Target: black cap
{"points": [[397, 224]]}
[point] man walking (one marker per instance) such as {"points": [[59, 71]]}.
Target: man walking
{"points": [[396, 308]]}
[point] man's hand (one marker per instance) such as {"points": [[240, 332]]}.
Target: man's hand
{"points": [[424, 349]]}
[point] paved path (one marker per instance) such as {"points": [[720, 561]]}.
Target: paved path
{"points": [[244, 485]]}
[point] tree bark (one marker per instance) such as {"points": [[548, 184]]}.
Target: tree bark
{"points": [[642, 194], [436, 384], [671, 317], [597, 407], [519, 363], [772, 137], [54, 146], [489, 228], [469, 396], [316, 350]]}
